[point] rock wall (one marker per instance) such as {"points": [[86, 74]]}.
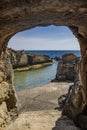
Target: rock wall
{"points": [[17, 15], [67, 69], [8, 100], [20, 59]]}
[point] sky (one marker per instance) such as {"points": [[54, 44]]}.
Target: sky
{"points": [[45, 38]]}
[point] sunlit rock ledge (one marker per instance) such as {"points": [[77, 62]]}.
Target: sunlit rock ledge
{"points": [[37, 66]]}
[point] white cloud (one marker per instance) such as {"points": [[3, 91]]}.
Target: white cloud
{"points": [[37, 43]]}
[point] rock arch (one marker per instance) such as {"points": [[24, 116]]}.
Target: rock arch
{"points": [[16, 16]]}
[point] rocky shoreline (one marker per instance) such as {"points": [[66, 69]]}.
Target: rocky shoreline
{"points": [[22, 61], [30, 67], [68, 68]]}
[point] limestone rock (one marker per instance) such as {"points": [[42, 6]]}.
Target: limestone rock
{"points": [[74, 102], [7, 92], [35, 120], [2, 77], [38, 59], [4, 116], [21, 59], [4, 90], [66, 70], [70, 57], [18, 58]]}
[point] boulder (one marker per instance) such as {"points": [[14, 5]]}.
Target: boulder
{"points": [[67, 68], [38, 59], [70, 57], [57, 58]]}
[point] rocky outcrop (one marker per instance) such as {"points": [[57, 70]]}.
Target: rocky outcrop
{"points": [[71, 100], [38, 59], [67, 69], [57, 58], [8, 101], [20, 59]]}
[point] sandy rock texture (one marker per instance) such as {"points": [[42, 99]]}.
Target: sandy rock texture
{"points": [[67, 69], [35, 120]]}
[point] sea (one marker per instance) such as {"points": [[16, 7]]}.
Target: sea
{"points": [[39, 77]]}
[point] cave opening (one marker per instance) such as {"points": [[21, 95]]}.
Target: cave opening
{"points": [[17, 16], [51, 41]]}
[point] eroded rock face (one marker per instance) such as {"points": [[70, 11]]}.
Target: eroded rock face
{"points": [[38, 59], [67, 68], [17, 15], [20, 59], [7, 93]]}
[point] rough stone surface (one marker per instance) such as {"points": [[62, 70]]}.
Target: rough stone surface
{"points": [[4, 90], [7, 93], [20, 59], [17, 15], [38, 59], [35, 120], [67, 68], [70, 102], [2, 76], [4, 115]]}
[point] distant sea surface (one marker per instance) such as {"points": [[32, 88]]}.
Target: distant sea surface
{"points": [[42, 76], [54, 53]]}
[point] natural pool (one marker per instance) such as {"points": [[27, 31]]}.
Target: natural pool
{"points": [[36, 77]]}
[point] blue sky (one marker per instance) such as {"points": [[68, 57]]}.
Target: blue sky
{"points": [[45, 38]]}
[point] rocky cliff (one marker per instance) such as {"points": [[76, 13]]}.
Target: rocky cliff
{"points": [[67, 69], [20, 59]]}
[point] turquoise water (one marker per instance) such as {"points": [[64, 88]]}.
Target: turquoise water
{"points": [[34, 78], [39, 77]]}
